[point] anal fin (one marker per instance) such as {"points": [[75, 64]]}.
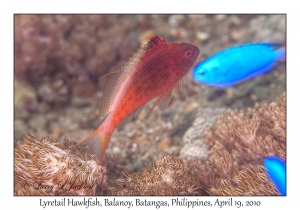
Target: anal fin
{"points": [[134, 114], [264, 70]]}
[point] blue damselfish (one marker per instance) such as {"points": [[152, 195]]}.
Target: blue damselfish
{"points": [[235, 64], [276, 170]]}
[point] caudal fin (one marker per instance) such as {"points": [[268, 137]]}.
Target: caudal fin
{"points": [[97, 143], [281, 54]]}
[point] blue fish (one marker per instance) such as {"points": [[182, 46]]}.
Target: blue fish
{"points": [[236, 64], [276, 170]]}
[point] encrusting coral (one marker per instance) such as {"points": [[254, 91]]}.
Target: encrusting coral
{"points": [[44, 167], [173, 176], [168, 178], [252, 136], [238, 142], [193, 143]]}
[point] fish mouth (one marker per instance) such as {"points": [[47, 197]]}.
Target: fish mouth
{"points": [[196, 51]]}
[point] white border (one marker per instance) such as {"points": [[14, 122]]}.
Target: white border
{"points": [[8, 201]]}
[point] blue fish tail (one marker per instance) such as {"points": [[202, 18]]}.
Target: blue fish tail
{"points": [[280, 54]]}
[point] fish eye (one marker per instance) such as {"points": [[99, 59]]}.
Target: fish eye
{"points": [[188, 54]]}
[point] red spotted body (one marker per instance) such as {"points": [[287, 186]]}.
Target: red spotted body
{"points": [[155, 70]]}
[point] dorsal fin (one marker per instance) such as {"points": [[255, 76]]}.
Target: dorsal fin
{"points": [[155, 41], [110, 73], [114, 82], [109, 92], [115, 78], [274, 45]]}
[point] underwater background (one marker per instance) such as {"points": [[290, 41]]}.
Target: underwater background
{"points": [[60, 58]]}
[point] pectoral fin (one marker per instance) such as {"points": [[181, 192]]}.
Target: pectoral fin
{"points": [[164, 99]]}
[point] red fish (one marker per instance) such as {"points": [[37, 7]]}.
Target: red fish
{"points": [[155, 70]]}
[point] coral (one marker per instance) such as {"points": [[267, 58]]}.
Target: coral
{"points": [[44, 167], [238, 141], [248, 181], [254, 135], [167, 178], [172, 176]]}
